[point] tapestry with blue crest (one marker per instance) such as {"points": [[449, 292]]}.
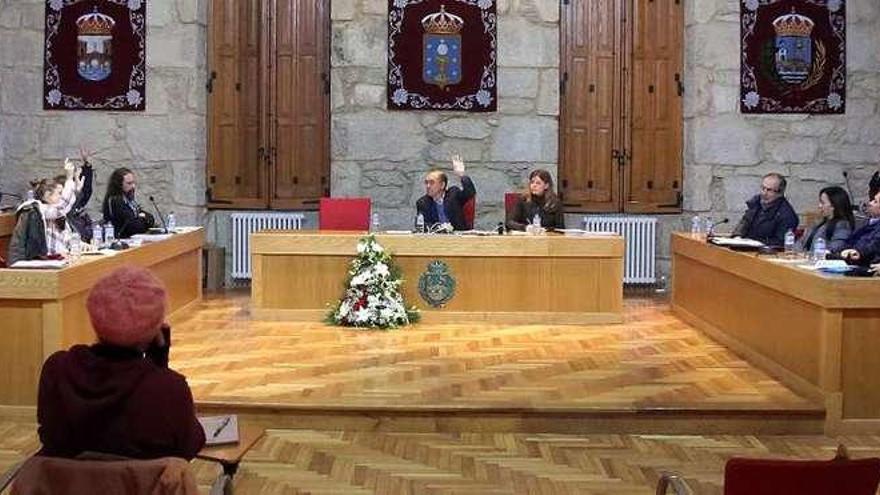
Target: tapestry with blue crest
{"points": [[442, 55], [793, 56]]}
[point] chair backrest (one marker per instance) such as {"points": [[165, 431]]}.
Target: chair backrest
{"points": [[344, 214], [167, 475], [469, 211], [510, 200], [774, 477]]}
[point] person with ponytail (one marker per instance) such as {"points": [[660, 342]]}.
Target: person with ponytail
{"points": [[538, 199]]}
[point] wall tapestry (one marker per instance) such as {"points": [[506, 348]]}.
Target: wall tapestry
{"points": [[793, 56], [442, 55], [95, 55]]}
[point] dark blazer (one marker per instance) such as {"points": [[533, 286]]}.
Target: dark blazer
{"points": [[524, 211], [28, 241], [865, 240], [126, 221], [769, 224], [453, 203]]}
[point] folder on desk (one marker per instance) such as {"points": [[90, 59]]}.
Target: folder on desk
{"points": [[220, 429]]}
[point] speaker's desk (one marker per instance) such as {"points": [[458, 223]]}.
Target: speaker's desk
{"points": [[43, 311], [818, 333], [549, 279]]}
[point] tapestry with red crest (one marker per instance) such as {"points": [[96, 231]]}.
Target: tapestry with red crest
{"points": [[442, 55], [95, 55], [793, 56]]}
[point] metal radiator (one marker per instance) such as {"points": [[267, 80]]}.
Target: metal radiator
{"points": [[243, 224], [640, 235]]}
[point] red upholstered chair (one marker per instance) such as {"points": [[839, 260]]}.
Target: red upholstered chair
{"points": [[344, 214], [510, 200], [840, 476], [469, 210]]}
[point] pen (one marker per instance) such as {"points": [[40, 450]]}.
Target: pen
{"points": [[221, 427]]}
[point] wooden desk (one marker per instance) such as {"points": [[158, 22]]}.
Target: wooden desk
{"points": [[230, 456], [44, 311], [818, 333], [549, 279], [7, 224]]}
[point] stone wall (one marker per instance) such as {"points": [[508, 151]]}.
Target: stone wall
{"points": [[165, 145], [385, 154]]}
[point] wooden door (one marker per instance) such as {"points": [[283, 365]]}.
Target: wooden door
{"points": [[235, 170], [590, 103], [653, 178], [300, 92]]}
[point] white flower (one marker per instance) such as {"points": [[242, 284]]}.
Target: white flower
{"points": [[752, 5], [362, 315], [378, 248], [134, 97], [833, 5], [400, 95], [54, 97], [56, 5], [484, 98], [834, 100], [400, 3], [752, 99], [382, 269], [485, 4], [361, 247], [134, 4], [344, 309]]}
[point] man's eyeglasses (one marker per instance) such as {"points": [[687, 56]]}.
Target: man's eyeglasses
{"points": [[769, 189]]}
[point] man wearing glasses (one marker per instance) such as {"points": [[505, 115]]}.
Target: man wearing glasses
{"points": [[445, 205], [769, 215]]}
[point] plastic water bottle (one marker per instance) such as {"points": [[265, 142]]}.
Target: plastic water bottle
{"points": [[696, 225], [172, 223], [819, 250], [97, 234], [75, 246], [420, 223], [536, 221], [109, 233], [30, 195], [374, 225], [789, 241]]}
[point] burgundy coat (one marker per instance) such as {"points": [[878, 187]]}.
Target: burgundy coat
{"points": [[114, 400]]}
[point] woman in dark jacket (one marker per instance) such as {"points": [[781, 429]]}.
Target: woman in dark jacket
{"points": [[538, 199], [837, 221], [120, 207]]}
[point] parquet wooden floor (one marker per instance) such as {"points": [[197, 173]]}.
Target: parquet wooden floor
{"points": [[337, 462], [652, 362]]}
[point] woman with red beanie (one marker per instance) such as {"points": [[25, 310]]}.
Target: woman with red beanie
{"points": [[118, 396]]}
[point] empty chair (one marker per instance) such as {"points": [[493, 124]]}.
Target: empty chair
{"points": [[344, 214], [469, 211]]}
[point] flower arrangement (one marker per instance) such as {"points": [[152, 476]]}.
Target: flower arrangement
{"points": [[372, 296]]}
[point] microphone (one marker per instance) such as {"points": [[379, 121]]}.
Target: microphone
{"points": [[712, 226], [854, 206], [164, 226]]}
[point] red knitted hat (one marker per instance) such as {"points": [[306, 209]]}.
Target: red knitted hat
{"points": [[127, 306]]}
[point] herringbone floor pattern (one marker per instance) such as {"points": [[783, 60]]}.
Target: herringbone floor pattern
{"points": [[653, 360]]}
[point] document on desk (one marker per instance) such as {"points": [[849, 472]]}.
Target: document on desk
{"points": [[45, 264], [151, 237], [737, 242], [220, 429]]}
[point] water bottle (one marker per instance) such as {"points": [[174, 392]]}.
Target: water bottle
{"points": [[420, 223], [709, 229], [789, 241], [819, 250], [536, 221], [696, 225], [172, 223], [109, 233], [374, 225], [97, 235], [75, 246], [30, 195]]}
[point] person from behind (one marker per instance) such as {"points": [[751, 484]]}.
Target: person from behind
{"points": [[769, 215], [837, 221], [442, 204], [863, 246], [538, 199], [120, 207], [118, 396]]}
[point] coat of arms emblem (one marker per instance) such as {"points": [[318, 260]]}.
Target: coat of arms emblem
{"points": [[442, 48], [94, 45], [436, 285], [794, 47]]}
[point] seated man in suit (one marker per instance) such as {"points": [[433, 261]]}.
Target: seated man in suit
{"points": [[442, 204], [769, 215], [863, 246]]}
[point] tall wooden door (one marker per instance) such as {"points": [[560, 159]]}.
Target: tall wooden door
{"points": [[620, 118], [268, 128]]}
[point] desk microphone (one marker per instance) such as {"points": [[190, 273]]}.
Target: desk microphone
{"points": [[855, 207], [711, 230], [164, 226]]}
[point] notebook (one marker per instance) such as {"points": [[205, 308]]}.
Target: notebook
{"points": [[220, 429]]}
